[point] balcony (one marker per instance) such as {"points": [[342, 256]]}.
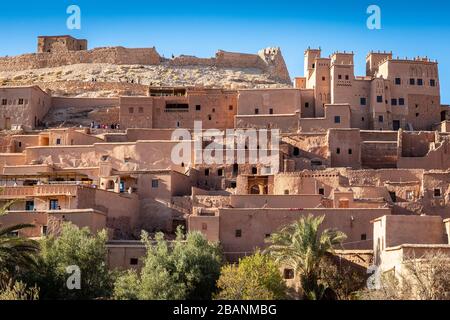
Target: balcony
{"points": [[39, 191]]}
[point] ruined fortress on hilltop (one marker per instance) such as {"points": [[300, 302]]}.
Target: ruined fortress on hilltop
{"points": [[87, 137]]}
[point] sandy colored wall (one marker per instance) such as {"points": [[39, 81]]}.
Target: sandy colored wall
{"points": [[255, 224]]}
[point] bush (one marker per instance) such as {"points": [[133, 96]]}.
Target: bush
{"points": [[188, 269], [256, 277]]}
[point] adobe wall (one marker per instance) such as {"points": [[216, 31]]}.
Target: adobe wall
{"points": [[379, 154], [285, 123], [311, 146], [275, 201], [214, 109], [416, 144], [92, 219], [66, 102], [307, 182], [437, 158], [379, 177], [323, 124], [39, 219], [345, 148], [120, 254], [256, 224], [280, 101]]}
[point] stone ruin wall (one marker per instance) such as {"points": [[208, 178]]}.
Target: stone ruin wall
{"points": [[268, 60], [111, 55]]}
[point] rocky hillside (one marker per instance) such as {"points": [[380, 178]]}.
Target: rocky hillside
{"points": [[60, 79]]}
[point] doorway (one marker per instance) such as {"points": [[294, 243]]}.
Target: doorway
{"points": [[396, 125]]}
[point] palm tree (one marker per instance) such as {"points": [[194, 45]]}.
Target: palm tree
{"points": [[16, 252], [302, 247]]}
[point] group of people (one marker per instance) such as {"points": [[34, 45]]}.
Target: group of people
{"points": [[113, 126]]}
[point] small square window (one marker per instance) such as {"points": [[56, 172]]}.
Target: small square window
{"points": [[134, 261], [58, 141], [350, 151], [198, 107], [398, 81], [4, 102], [204, 226], [230, 107], [20, 101], [380, 119], [394, 102], [296, 152], [339, 76], [363, 237], [155, 183], [432, 83], [306, 104], [401, 101], [437, 193], [338, 151], [347, 77], [270, 111], [337, 119], [322, 191], [238, 233], [420, 82], [141, 110], [323, 78], [417, 115], [267, 235], [130, 110], [254, 170], [363, 101], [412, 81], [286, 192], [256, 111], [379, 99]]}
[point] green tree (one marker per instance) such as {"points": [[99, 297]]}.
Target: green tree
{"points": [[256, 277], [188, 269], [74, 247], [16, 253], [302, 247]]}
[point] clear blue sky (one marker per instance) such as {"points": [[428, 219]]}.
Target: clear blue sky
{"points": [[409, 28]]}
